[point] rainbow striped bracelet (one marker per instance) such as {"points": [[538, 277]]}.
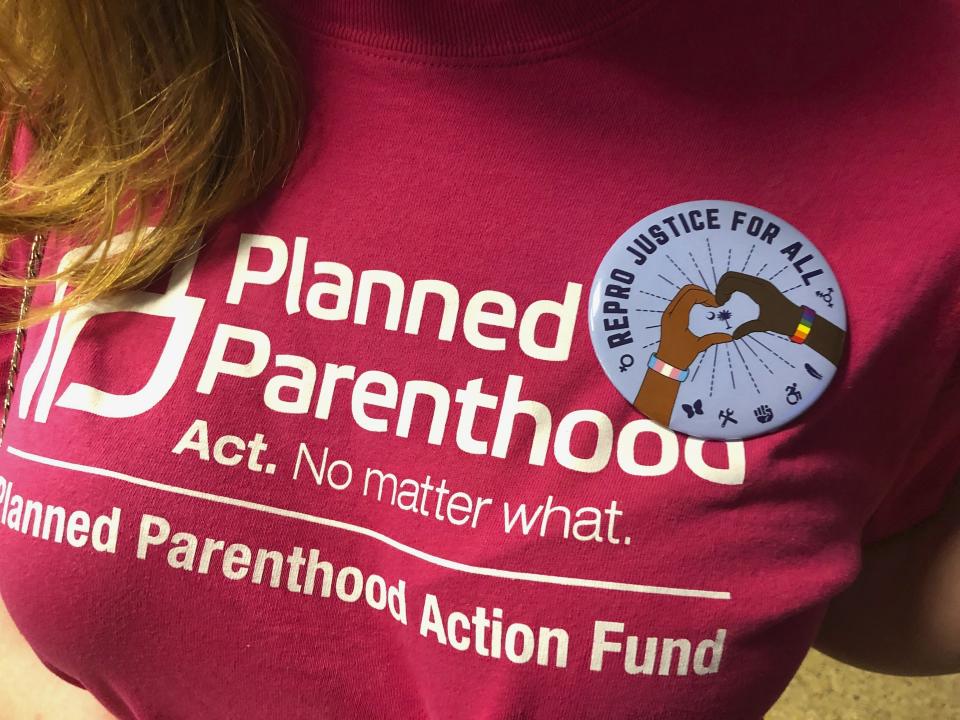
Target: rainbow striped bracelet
{"points": [[666, 369], [803, 328]]}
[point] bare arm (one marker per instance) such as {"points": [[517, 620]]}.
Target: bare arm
{"points": [[29, 690], [902, 614], [678, 347]]}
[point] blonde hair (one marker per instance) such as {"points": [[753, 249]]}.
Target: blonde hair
{"points": [[166, 113]]}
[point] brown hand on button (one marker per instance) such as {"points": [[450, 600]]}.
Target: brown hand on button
{"points": [[779, 315], [678, 347]]}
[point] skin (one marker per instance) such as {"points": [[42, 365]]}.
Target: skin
{"points": [[902, 614], [29, 690]]}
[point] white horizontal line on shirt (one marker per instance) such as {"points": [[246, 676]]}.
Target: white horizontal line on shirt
{"points": [[367, 532]]}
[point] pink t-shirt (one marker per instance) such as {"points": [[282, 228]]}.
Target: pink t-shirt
{"points": [[357, 458]]}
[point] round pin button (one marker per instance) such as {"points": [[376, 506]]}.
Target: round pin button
{"points": [[717, 319]]}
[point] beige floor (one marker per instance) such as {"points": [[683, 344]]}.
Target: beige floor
{"points": [[827, 690]]}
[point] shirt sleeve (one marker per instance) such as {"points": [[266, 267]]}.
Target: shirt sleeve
{"points": [[932, 467]]}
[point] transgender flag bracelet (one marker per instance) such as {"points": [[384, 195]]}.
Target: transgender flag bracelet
{"points": [[666, 369]]}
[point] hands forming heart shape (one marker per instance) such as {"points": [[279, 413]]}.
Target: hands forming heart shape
{"points": [[680, 347]]}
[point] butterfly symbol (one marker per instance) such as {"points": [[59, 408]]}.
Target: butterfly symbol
{"points": [[695, 409]]}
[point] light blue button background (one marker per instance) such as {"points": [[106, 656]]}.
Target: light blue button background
{"points": [[763, 372]]}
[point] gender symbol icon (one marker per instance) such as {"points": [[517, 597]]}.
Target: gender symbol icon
{"points": [[717, 319]]}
